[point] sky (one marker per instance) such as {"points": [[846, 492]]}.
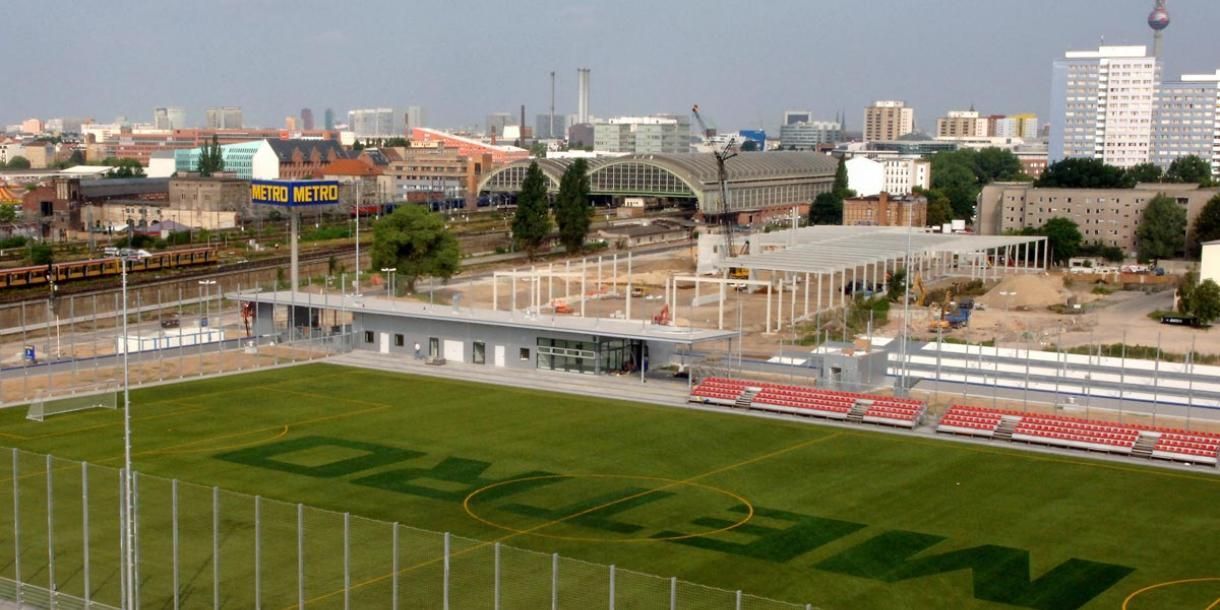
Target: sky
{"points": [[744, 62]]}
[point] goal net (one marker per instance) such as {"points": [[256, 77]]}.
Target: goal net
{"points": [[43, 408]]}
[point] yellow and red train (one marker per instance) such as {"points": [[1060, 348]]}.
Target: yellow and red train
{"points": [[39, 275]]}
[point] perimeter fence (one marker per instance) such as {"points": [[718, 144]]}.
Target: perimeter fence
{"points": [[205, 547]]}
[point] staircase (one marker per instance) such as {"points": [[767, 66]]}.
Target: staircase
{"points": [[1144, 445], [856, 415], [1007, 426], [746, 398]]}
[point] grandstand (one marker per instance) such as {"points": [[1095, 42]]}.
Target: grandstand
{"points": [[813, 402]]}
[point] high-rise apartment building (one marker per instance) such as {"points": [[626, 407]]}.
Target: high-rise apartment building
{"points": [[224, 117], [962, 124], [662, 133], [375, 123], [1024, 126], [307, 119], [1187, 120], [328, 118], [169, 117], [888, 120], [1102, 105]]}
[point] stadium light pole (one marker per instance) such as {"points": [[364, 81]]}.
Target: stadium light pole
{"points": [[128, 529], [906, 304]]}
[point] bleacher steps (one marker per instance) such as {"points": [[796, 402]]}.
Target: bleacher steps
{"points": [[857, 411], [747, 398], [1008, 425], [1145, 444]]}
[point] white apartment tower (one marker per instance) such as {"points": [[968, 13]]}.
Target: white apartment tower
{"points": [[1188, 120], [1102, 105]]}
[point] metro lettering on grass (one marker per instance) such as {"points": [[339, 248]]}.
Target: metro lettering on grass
{"points": [[999, 574]]}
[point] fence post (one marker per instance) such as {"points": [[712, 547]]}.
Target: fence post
{"points": [[394, 567], [611, 586], [135, 537], [258, 552], [496, 588], [347, 561], [124, 581], [215, 548], [445, 582], [301, 556], [84, 510], [50, 533], [554, 581], [738, 599], [173, 492], [673, 593], [17, 525]]}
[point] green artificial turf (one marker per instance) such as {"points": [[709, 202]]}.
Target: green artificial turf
{"points": [[841, 519]]}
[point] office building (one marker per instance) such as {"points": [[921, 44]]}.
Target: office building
{"points": [[169, 117], [1023, 126], [307, 119], [888, 120], [290, 123], [375, 123], [467, 147], [267, 159], [328, 119], [894, 175], [882, 210], [661, 133], [962, 124], [497, 121], [225, 117], [423, 174], [414, 117], [546, 129], [793, 117], [1188, 120], [1109, 216], [31, 126], [809, 135], [1102, 105]]}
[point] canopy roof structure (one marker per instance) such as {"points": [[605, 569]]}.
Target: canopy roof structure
{"points": [[755, 180]]}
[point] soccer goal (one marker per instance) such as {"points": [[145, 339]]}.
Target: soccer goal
{"points": [[43, 408]]}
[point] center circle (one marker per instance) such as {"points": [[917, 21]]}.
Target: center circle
{"points": [[661, 483]]}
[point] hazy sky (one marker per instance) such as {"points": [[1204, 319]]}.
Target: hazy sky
{"points": [[744, 62]]}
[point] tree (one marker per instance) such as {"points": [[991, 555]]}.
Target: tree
{"points": [[896, 286], [959, 184], [1062, 237], [1145, 172], [532, 222], [18, 162], [357, 146], [996, 164], [1191, 168], [841, 189], [1205, 302], [939, 210], [211, 159], [1084, 173], [124, 168], [1186, 290], [538, 150], [1162, 230], [1207, 225], [416, 242], [8, 213], [40, 254], [827, 209], [573, 213]]}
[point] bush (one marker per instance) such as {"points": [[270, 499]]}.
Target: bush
{"points": [[40, 254], [136, 241], [325, 233], [15, 241], [160, 244]]}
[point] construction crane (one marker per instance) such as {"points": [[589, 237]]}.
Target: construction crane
{"points": [[728, 152]]}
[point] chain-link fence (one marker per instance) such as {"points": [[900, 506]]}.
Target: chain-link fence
{"points": [[205, 547]]}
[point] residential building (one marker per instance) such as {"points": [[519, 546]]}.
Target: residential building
{"points": [[11, 149], [962, 124], [31, 126], [375, 123], [794, 117], [307, 119], [643, 135], [134, 144], [1188, 120], [869, 177], [39, 154], [169, 117], [809, 135], [421, 174], [467, 147], [66, 206], [883, 210], [224, 117], [888, 120], [1102, 105], [1109, 216], [290, 123], [1023, 126]]}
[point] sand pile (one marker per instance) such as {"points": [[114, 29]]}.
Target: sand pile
{"points": [[1031, 291]]}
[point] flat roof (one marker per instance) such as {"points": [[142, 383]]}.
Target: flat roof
{"points": [[639, 330], [831, 249]]}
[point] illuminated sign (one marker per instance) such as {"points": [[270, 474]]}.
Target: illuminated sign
{"points": [[293, 193]]}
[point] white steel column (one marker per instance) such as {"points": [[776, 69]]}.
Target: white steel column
{"points": [[806, 294], [819, 308]]}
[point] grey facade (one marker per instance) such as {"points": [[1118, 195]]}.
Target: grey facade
{"points": [[809, 135], [1187, 121]]}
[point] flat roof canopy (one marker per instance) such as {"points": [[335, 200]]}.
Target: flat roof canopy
{"points": [[639, 330], [831, 249]]}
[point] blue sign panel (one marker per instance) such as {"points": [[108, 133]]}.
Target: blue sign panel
{"points": [[294, 193]]}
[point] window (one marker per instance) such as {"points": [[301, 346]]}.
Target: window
{"points": [[524, 353], [479, 352], [368, 336], [399, 340]]}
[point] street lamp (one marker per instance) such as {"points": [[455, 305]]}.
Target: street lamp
{"points": [[202, 283], [390, 275]]}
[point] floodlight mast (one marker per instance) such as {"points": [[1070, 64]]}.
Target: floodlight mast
{"points": [[728, 152]]}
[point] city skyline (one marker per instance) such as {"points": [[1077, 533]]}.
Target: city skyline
{"points": [[999, 57]]}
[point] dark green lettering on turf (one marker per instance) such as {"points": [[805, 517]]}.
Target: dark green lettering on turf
{"points": [[453, 470], [596, 512], [1001, 574], [375, 456], [773, 544]]}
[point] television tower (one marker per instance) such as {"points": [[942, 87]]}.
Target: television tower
{"points": [[1158, 20]]}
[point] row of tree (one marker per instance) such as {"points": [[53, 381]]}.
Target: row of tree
{"points": [[1095, 173]]}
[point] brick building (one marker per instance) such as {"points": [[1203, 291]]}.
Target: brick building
{"points": [[886, 211]]}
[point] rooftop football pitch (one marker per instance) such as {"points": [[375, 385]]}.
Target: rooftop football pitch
{"points": [[836, 517]]}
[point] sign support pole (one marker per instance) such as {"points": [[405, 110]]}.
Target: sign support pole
{"points": [[294, 229]]}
